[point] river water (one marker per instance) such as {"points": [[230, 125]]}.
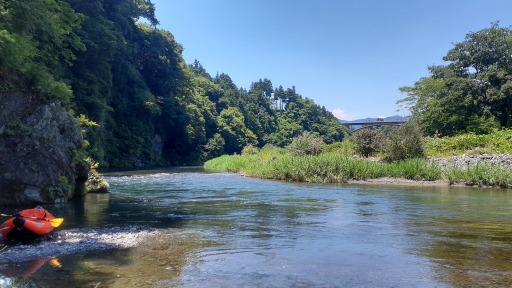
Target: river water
{"points": [[258, 233]]}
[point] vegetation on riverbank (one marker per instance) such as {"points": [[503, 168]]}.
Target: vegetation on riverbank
{"points": [[496, 142], [337, 164]]}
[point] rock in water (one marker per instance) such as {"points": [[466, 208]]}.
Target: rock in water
{"points": [[39, 141]]}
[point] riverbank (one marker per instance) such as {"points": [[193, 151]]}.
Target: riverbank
{"points": [[489, 170], [461, 162]]}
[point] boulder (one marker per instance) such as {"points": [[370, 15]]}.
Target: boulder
{"points": [[40, 147]]}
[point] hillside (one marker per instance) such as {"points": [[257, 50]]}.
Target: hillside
{"points": [[140, 103]]}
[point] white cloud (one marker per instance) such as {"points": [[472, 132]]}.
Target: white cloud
{"points": [[341, 114]]}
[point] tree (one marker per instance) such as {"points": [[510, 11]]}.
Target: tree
{"points": [[404, 142], [37, 38], [306, 144], [367, 141], [473, 92], [232, 128]]}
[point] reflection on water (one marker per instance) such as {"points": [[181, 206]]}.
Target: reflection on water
{"points": [[255, 233]]}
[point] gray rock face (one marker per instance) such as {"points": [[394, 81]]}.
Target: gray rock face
{"points": [[38, 151]]}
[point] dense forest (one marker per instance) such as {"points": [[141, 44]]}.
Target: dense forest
{"points": [[127, 84]]}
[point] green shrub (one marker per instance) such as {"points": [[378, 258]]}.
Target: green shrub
{"points": [[367, 141], [341, 149], [306, 144], [269, 146], [405, 142], [250, 150]]}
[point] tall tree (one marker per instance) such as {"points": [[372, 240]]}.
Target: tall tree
{"points": [[473, 92]]}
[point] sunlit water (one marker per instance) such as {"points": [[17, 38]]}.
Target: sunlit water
{"points": [[261, 233]]}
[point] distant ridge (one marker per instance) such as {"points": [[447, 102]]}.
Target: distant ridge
{"points": [[390, 118]]}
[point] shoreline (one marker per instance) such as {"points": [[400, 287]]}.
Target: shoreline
{"points": [[404, 182]]}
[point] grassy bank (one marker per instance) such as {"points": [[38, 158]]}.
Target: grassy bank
{"points": [[325, 169], [337, 165], [329, 169]]}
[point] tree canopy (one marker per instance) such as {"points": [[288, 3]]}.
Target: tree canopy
{"points": [[473, 92]]}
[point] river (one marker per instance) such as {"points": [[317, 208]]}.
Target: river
{"points": [[243, 232]]}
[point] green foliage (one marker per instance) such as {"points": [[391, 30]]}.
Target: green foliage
{"points": [[499, 141], [473, 93], [306, 144], [404, 142], [415, 169], [36, 37], [482, 174], [328, 168], [341, 149], [269, 146], [84, 122], [367, 141], [250, 150], [233, 130], [325, 168], [214, 147], [230, 163]]}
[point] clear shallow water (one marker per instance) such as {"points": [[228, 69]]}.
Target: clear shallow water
{"points": [[261, 233]]}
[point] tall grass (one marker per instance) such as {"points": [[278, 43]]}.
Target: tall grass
{"points": [[325, 168], [481, 174], [414, 169]]}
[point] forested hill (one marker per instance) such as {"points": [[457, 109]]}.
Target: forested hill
{"points": [[107, 60]]}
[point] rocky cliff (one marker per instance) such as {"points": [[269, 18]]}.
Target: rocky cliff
{"points": [[39, 151]]}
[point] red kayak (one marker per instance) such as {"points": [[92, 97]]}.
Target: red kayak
{"points": [[29, 224]]}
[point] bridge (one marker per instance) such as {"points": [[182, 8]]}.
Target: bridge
{"points": [[373, 124]]}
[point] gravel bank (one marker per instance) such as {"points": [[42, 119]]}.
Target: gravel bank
{"points": [[463, 161]]}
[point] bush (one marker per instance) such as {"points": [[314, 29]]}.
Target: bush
{"points": [[250, 150], [306, 144], [405, 142], [341, 149], [367, 141], [269, 146]]}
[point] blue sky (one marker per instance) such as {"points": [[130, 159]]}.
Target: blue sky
{"points": [[349, 56]]}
